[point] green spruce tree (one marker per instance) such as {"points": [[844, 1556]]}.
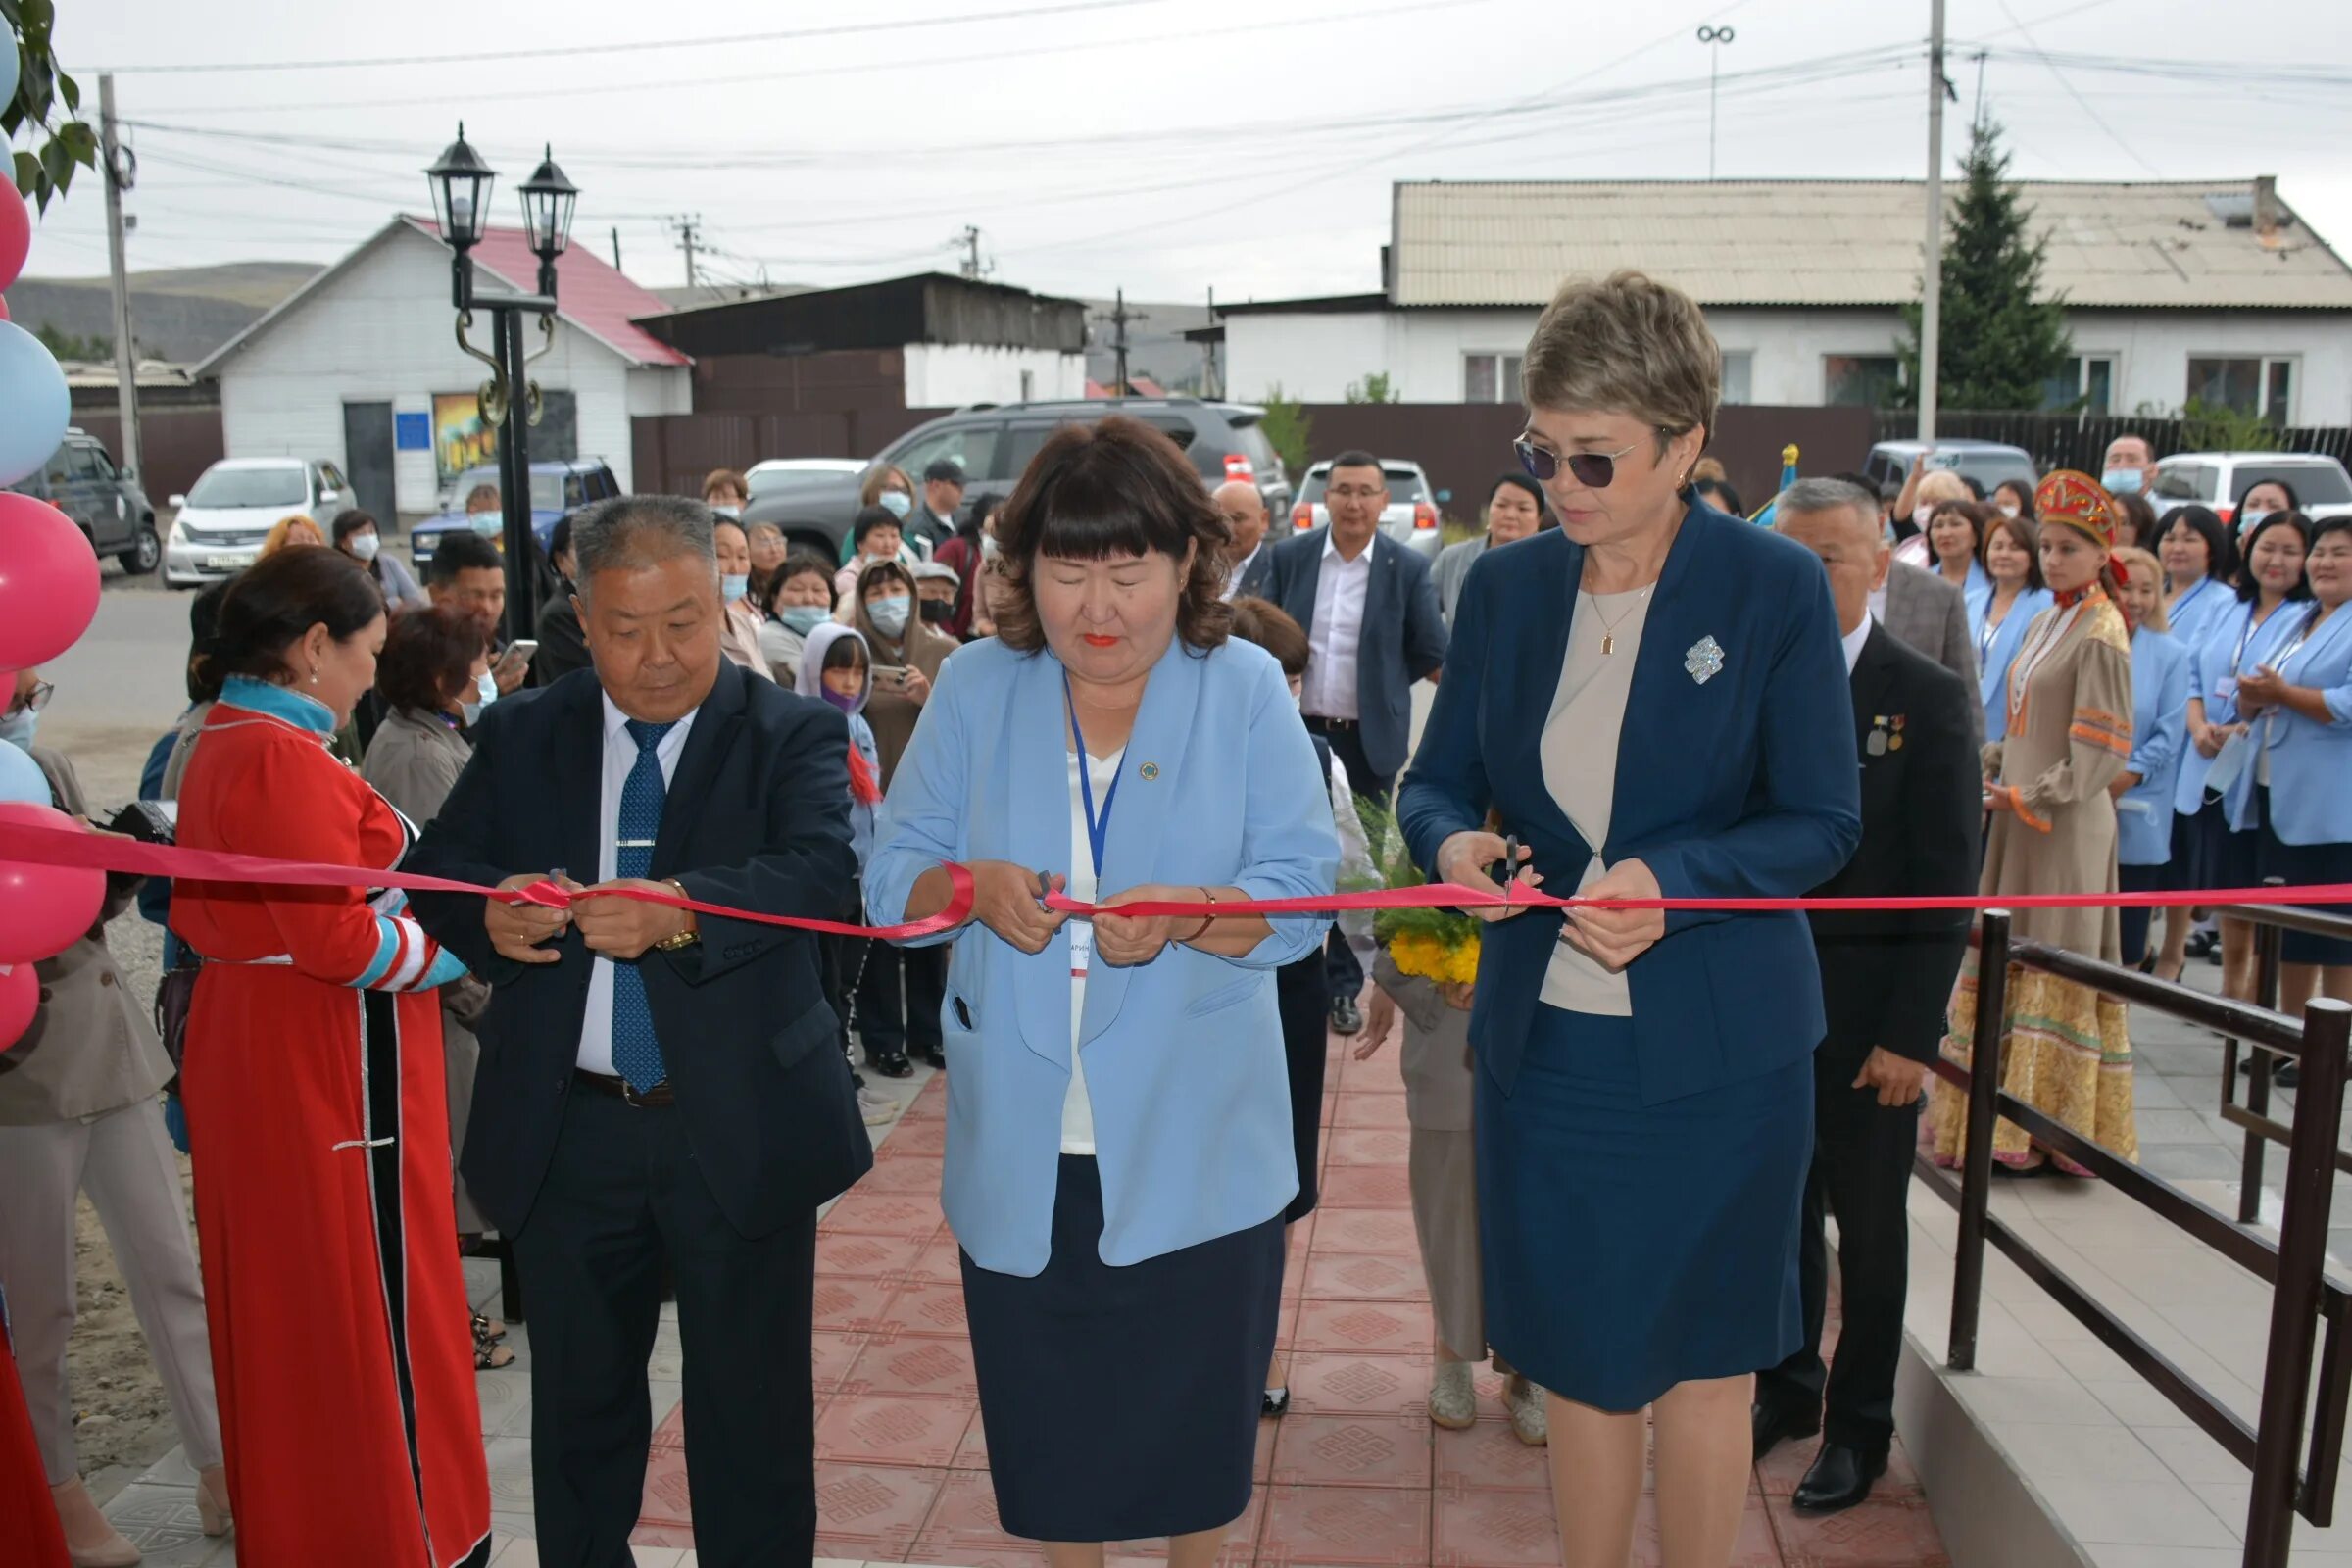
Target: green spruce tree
{"points": [[2002, 340]]}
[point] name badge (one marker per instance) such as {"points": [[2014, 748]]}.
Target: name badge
{"points": [[1082, 948]]}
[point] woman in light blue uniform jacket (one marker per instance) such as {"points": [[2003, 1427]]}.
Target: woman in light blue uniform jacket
{"points": [[2245, 636], [2303, 792], [2200, 565], [1119, 1143], [2144, 791], [1999, 617]]}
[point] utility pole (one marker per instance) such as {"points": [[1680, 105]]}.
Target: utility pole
{"points": [[690, 232], [973, 267], [616, 247], [122, 172], [1118, 318], [1715, 39], [1212, 378], [1930, 297]]}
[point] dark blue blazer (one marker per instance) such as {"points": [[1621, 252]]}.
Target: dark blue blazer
{"points": [[1743, 786], [1403, 635], [758, 818]]}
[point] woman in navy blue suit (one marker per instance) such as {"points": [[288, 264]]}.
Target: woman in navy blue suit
{"points": [[1655, 700]]}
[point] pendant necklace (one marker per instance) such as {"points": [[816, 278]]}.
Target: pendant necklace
{"points": [[1608, 627]]}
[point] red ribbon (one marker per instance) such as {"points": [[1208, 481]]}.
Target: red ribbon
{"points": [[49, 846]]}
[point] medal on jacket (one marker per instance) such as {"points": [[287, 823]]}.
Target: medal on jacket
{"points": [[1876, 741]]}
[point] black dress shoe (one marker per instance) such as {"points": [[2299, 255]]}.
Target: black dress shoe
{"points": [[891, 1064], [934, 1055], [1840, 1477], [1345, 1017], [1770, 1424]]}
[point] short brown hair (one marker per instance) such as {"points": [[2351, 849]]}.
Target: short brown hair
{"points": [[2023, 533], [1270, 626], [725, 479], [1626, 345], [1117, 487], [428, 655]]}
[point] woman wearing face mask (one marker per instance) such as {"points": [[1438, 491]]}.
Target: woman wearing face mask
{"points": [[725, 492], [1923, 492], [2013, 562], [889, 488], [2247, 635], [2069, 727], [2299, 701], [2144, 791], [2014, 498], [899, 994], [739, 641], [964, 553], [356, 534], [2261, 499], [799, 600], [1514, 511], [1956, 537], [434, 677]]}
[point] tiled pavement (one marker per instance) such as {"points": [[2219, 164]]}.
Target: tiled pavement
{"points": [[1354, 1475]]}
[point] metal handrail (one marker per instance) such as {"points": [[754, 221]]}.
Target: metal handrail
{"points": [[2296, 1265], [2260, 1128]]}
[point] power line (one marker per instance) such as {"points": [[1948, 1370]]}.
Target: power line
{"points": [[2081, 102], [637, 46]]}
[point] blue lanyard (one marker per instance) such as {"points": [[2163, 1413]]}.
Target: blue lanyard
{"points": [[1098, 828]]}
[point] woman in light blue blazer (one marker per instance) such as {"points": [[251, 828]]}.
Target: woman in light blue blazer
{"points": [[2200, 565], [1119, 1142], [2246, 637], [2144, 791], [1998, 618], [2300, 703]]}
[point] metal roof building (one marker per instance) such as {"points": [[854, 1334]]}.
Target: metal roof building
{"points": [[2214, 289]]}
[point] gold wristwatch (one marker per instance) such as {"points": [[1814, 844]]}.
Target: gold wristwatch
{"points": [[686, 938]]}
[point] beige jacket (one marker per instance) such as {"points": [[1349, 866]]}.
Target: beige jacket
{"points": [[414, 762], [91, 1047]]}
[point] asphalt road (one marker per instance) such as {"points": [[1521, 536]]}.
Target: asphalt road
{"points": [[120, 687]]}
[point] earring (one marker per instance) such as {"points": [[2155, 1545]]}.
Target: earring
{"points": [[314, 678]]}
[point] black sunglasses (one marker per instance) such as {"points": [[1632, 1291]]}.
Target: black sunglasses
{"points": [[1593, 469]]}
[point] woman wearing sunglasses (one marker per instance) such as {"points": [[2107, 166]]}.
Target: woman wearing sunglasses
{"points": [[1645, 1110]]}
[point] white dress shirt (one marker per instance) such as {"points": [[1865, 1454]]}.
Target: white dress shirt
{"points": [[1339, 630], [620, 756], [1077, 1106], [1853, 640], [1241, 570]]}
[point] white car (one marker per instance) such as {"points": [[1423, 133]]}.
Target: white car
{"points": [[2221, 480], [221, 522], [777, 473], [1410, 518]]}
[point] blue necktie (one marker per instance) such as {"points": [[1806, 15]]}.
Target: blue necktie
{"points": [[636, 1051]]}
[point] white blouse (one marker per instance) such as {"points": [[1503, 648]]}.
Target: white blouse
{"points": [[1077, 1109], [1580, 767]]}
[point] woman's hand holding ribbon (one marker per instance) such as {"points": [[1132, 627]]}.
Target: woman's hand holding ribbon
{"points": [[1127, 940], [1615, 938], [1463, 858], [1004, 898]]}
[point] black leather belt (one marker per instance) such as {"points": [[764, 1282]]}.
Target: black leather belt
{"points": [[1317, 721], [619, 1089]]}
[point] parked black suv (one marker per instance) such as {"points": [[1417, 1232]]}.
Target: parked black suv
{"points": [[995, 441], [80, 481]]}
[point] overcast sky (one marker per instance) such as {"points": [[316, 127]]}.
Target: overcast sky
{"points": [[1168, 147]]}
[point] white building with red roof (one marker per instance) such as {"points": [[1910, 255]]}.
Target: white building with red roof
{"points": [[360, 368]]}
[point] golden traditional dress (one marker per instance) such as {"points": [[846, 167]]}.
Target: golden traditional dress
{"points": [[2067, 1049]]}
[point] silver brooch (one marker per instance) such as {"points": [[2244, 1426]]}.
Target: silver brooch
{"points": [[1705, 661]]}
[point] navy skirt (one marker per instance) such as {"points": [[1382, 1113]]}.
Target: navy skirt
{"points": [[1629, 1247], [1123, 1403], [2304, 865], [1303, 992]]}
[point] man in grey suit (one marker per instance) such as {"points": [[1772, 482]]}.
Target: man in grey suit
{"points": [[1926, 611]]}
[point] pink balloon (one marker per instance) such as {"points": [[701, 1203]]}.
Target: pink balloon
{"points": [[16, 234], [44, 909], [3, 308], [20, 999], [48, 579]]}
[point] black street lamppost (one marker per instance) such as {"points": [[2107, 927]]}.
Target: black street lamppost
{"points": [[461, 185]]}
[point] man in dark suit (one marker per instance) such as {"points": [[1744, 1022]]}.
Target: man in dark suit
{"points": [[657, 1087], [1884, 980], [1373, 628], [1249, 558]]}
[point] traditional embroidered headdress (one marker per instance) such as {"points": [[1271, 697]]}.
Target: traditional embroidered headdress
{"points": [[2076, 500]]}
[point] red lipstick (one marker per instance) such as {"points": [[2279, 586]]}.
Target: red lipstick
{"points": [[1098, 639]]}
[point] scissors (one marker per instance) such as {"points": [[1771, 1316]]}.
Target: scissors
{"points": [[1506, 872]]}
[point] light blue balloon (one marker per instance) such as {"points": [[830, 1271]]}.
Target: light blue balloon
{"points": [[8, 72], [34, 404], [21, 780]]}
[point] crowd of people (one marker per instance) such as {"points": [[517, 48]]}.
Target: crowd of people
{"points": [[1119, 685]]}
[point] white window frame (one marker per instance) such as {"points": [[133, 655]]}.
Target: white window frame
{"points": [[1748, 357], [2114, 360], [1506, 386], [2294, 384]]}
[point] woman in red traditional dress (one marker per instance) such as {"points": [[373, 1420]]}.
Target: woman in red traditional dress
{"points": [[318, 1115]]}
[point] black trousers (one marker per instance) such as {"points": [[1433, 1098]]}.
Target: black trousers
{"points": [[2136, 919], [622, 1198], [1346, 741], [887, 1023], [1861, 1173]]}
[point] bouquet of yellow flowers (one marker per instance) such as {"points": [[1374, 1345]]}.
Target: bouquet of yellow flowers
{"points": [[1438, 945]]}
